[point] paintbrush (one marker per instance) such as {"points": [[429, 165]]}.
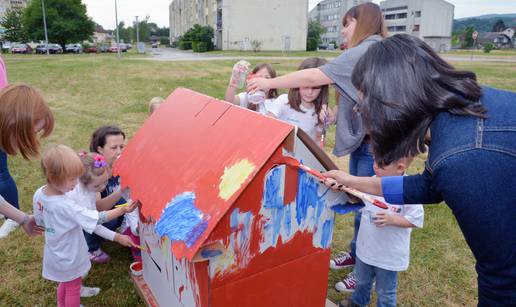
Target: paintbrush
{"points": [[363, 196]]}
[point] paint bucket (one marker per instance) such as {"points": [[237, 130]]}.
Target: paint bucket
{"points": [[136, 268]]}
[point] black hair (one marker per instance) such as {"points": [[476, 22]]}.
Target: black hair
{"points": [[98, 138], [404, 85]]}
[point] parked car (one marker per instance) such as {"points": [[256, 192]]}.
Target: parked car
{"points": [[92, 49], [52, 48], [102, 48], [73, 48], [112, 49], [155, 45], [6, 46], [343, 46], [21, 48], [123, 47], [129, 46]]}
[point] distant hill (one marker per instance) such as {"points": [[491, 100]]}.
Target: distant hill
{"points": [[483, 23]]}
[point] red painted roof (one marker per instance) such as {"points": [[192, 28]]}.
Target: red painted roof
{"points": [[186, 146]]}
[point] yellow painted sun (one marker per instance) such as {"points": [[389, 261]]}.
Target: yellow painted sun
{"points": [[233, 178]]}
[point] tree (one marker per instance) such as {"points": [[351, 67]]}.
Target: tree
{"points": [[499, 26], [315, 30], [12, 22], [67, 21], [468, 39]]}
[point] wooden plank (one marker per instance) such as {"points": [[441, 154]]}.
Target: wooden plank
{"points": [[144, 291]]}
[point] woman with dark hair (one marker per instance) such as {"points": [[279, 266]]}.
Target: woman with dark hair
{"points": [[412, 100], [108, 141], [363, 25]]}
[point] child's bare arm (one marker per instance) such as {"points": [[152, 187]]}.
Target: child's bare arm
{"points": [[383, 219], [109, 201], [106, 216]]}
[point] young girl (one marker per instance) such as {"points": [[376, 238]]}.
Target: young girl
{"points": [[154, 104], [262, 70], [65, 257], [108, 141], [302, 105]]}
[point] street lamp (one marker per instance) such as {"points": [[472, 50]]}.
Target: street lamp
{"points": [[45, 25], [117, 34], [137, 34]]}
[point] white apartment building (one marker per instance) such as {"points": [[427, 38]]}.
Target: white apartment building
{"points": [[277, 25], [429, 20]]}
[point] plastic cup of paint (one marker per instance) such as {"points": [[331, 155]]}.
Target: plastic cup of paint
{"points": [[136, 268]]}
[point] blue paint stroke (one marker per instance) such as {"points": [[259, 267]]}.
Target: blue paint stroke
{"points": [[272, 194], [326, 234], [306, 195], [209, 253], [181, 220], [247, 226], [233, 219], [288, 220], [347, 208]]}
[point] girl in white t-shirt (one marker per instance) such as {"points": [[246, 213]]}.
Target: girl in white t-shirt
{"points": [[65, 257], [262, 70], [302, 106]]}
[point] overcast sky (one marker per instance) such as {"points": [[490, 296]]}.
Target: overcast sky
{"points": [[103, 11]]}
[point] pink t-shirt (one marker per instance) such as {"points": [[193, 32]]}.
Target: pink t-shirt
{"points": [[3, 74]]}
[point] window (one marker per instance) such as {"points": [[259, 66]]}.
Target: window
{"points": [[390, 16], [391, 29], [401, 16], [416, 28], [401, 28], [396, 8], [417, 14]]}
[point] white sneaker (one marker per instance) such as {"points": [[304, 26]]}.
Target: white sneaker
{"points": [[8, 227], [347, 284], [89, 291]]}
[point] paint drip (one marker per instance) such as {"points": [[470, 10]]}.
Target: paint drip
{"points": [[181, 220]]}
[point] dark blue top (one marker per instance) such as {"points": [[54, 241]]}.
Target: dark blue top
{"points": [[112, 185], [471, 166]]}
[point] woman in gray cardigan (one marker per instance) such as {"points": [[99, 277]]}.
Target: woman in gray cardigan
{"points": [[363, 26]]}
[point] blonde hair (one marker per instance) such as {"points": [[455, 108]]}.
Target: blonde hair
{"points": [[154, 103], [369, 19], [59, 163], [21, 107], [92, 169]]}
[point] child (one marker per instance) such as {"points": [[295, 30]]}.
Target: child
{"points": [[262, 70], [302, 105], [65, 257], [154, 104], [383, 245]]}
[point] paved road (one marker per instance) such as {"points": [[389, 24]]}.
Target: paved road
{"points": [[169, 54]]}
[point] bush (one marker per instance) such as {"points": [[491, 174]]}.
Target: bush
{"points": [[185, 45], [488, 47], [203, 47], [164, 41], [311, 44], [256, 45]]}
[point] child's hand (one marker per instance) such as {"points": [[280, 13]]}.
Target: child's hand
{"points": [[338, 177], [258, 83], [326, 116], [130, 207], [383, 219], [125, 240], [31, 228]]}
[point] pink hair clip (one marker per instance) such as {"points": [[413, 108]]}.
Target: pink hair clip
{"points": [[99, 161]]}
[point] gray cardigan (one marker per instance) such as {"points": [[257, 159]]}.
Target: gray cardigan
{"points": [[350, 129]]}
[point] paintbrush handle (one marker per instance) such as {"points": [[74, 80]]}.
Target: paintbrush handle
{"points": [[365, 197]]}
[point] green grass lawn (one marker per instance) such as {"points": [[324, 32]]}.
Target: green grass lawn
{"points": [[493, 53], [87, 91]]}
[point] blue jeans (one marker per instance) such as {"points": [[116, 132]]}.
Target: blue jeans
{"points": [[8, 188], [386, 284], [94, 241], [360, 164]]}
